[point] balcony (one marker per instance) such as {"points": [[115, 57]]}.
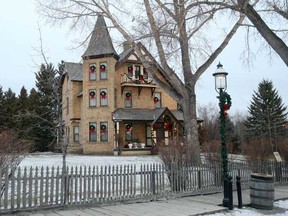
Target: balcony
{"points": [[139, 82]]}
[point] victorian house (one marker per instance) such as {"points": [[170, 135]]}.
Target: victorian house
{"points": [[110, 103]]}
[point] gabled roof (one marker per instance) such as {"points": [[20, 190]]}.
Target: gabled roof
{"points": [[100, 42], [124, 56], [127, 53], [74, 71]]}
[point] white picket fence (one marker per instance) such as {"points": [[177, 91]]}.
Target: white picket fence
{"points": [[38, 188]]}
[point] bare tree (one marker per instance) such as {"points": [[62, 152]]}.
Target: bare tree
{"points": [[54, 80], [210, 116], [261, 14], [174, 33], [12, 152]]}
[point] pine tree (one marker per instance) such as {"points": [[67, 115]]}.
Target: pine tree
{"points": [[22, 108], [10, 109], [23, 99], [266, 114], [232, 137], [45, 130]]}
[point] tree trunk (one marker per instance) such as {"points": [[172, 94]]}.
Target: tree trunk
{"points": [[271, 38], [191, 126]]}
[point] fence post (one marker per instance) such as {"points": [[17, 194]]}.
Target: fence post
{"points": [[278, 171], [199, 180], [239, 191], [153, 183]]}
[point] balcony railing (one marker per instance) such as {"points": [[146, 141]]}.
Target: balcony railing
{"points": [[136, 80]]}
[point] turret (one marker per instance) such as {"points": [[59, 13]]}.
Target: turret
{"points": [[100, 44]]}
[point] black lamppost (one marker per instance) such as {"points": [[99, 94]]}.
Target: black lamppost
{"points": [[224, 104]]}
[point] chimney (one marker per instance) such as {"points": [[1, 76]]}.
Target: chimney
{"points": [[126, 45]]}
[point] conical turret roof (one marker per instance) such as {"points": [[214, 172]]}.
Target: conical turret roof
{"points": [[100, 42]]}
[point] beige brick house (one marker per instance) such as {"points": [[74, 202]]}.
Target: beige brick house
{"points": [[110, 103]]}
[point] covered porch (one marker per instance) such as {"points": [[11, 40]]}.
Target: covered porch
{"points": [[140, 131]]}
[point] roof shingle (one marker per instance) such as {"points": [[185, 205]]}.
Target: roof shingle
{"points": [[100, 41], [74, 71]]}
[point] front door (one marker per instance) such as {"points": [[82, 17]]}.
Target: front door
{"points": [[160, 134]]}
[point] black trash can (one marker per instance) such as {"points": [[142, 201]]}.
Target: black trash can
{"points": [[262, 192]]}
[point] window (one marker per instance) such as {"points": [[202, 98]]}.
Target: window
{"points": [[128, 132], [92, 72], [68, 133], [92, 132], [128, 99], [92, 98], [103, 71], [76, 133], [104, 131], [145, 73], [103, 97], [137, 72], [149, 135], [67, 105], [157, 100], [130, 71]]}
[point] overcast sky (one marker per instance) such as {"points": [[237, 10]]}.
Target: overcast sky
{"points": [[19, 41]]}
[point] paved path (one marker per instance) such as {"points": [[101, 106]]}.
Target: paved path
{"points": [[185, 206]]}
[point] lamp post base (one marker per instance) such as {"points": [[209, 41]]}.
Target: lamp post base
{"points": [[226, 195]]}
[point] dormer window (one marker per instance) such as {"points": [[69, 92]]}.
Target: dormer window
{"points": [[92, 72], [103, 71]]}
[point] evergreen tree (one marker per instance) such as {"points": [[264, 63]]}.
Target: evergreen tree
{"points": [[33, 101], [45, 130], [266, 114], [10, 109], [22, 108], [232, 137], [22, 99], [31, 118]]}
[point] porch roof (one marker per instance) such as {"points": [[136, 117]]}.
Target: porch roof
{"points": [[122, 114], [142, 114]]}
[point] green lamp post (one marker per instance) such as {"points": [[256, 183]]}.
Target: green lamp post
{"points": [[224, 104]]}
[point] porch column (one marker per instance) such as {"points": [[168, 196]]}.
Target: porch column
{"points": [[149, 134], [117, 135]]}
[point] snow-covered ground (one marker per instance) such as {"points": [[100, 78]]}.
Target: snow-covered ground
{"points": [[52, 159], [280, 209]]}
